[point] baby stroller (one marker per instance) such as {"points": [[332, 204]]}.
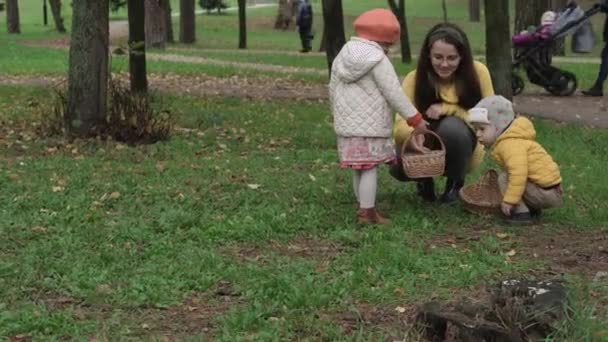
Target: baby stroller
{"points": [[535, 57]]}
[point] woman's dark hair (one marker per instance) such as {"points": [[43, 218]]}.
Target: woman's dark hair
{"points": [[466, 79]]}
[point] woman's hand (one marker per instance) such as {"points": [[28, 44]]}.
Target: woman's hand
{"points": [[506, 208], [434, 111]]}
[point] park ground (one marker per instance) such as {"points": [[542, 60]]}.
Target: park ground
{"points": [[241, 226]]}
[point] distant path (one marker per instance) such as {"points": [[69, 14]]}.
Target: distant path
{"points": [[575, 109], [119, 29]]}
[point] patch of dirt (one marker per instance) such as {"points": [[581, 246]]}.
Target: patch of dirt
{"points": [[568, 251], [395, 322], [322, 251], [195, 316], [565, 251], [264, 88]]}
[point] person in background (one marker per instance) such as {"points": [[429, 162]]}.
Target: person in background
{"points": [[304, 17], [598, 87]]}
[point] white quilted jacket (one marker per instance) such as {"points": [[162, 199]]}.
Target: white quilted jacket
{"points": [[364, 91]]}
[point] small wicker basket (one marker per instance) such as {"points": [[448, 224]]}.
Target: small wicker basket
{"points": [[484, 196], [423, 165]]}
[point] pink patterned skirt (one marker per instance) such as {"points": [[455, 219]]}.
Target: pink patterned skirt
{"points": [[365, 152]]}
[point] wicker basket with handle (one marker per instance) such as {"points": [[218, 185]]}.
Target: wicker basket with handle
{"points": [[423, 165], [484, 196]]}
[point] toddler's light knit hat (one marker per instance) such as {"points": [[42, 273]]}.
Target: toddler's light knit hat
{"points": [[378, 25], [494, 110], [548, 18]]}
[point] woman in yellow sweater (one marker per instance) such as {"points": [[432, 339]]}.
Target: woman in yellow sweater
{"points": [[446, 83]]}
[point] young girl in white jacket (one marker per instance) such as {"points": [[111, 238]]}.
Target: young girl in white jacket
{"points": [[364, 92]]}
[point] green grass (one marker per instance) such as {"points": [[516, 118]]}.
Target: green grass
{"points": [[114, 242], [111, 241]]}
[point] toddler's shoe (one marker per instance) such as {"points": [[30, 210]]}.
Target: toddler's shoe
{"points": [[370, 216], [520, 218]]}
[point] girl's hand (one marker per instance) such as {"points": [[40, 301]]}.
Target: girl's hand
{"points": [[434, 111], [506, 208], [416, 142]]}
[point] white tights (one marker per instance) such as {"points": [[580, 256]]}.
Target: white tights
{"points": [[365, 183]]}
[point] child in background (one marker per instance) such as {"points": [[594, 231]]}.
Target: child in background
{"points": [[532, 180], [532, 34], [364, 90]]}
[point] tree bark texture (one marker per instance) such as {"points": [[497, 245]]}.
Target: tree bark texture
{"points": [[88, 67], [528, 12], [12, 16], [56, 10], [242, 24], [137, 46], [168, 22], [474, 11], [333, 19], [498, 45], [187, 21], [155, 24], [399, 11]]}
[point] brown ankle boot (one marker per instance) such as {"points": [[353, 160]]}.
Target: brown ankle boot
{"points": [[370, 216]]}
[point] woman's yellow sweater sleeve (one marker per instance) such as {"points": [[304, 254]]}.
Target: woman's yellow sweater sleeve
{"points": [[486, 87], [401, 130]]}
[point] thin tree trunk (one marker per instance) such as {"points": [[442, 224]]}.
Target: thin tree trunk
{"points": [[56, 10], [333, 19], [322, 46], [498, 45], [187, 33], [284, 14], [444, 7], [474, 11], [155, 24], [242, 24], [88, 67], [12, 16], [137, 46], [168, 22], [399, 11]]}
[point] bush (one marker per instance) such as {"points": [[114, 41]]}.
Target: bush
{"points": [[130, 117], [212, 4]]}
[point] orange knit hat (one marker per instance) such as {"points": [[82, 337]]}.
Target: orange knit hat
{"points": [[378, 25]]}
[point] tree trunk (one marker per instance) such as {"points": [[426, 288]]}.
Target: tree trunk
{"points": [[12, 16], [284, 15], [137, 46], [474, 11], [444, 7], [333, 19], [498, 45], [88, 67], [187, 33], [56, 10], [168, 22], [155, 24], [242, 24], [528, 12], [323, 45], [399, 11]]}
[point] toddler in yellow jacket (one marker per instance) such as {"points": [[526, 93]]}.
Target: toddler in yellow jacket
{"points": [[531, 180]]}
